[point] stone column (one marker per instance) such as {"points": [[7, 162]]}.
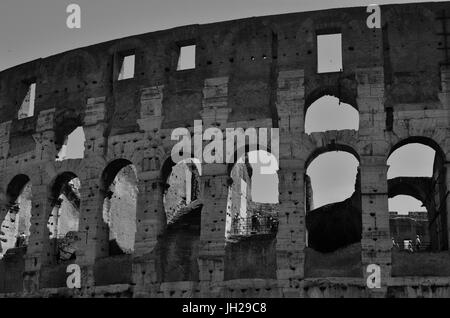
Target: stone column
{"points": [[150, 213], [93, 233], [151, 222], [92, 230], [215, 102], [39, 243], [150, 209], [444, 95], [447, 172], [150, 216], [38, 253], [291, 237], [4, 149], [290, 102], [214, 194], [376, 242]]}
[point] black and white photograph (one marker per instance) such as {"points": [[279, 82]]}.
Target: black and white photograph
{"points": [[216, 156]]}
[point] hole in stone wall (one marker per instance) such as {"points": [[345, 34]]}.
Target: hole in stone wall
{"points": [[27, 108], [63, 222], [73, 147], [411, 160], [329, 53], [252, 196], [333, 201], [251, 222], [328, 113], [182, 187], [411, 227], [333, 177], [15, 228], [186, 60], [127, 66], [119, 206], [418, 192], [179, 245]]}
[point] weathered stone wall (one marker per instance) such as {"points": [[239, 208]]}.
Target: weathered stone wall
{"points": [[257, 72]]}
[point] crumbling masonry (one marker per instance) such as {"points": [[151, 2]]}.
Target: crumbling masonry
{"points": [[256, 72]]}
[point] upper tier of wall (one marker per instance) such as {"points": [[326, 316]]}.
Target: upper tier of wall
{"points": [[250, 52]]}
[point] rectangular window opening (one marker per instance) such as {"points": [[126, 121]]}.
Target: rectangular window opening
{"points": [[329, 53], [127, 66], [186, 60], [27, 108]]}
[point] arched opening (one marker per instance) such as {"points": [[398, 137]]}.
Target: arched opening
{"points": [[418, 193], [73, 146], [119, 206], [408, 223], [178, 247], [182, 186], [333, 213], [15, 227], [329, 113], [252, 217], [411, 160], [63, 222], [252, 196]]}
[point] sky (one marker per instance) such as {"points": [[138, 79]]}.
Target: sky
{"points": [[333, 174], [31, 29]]}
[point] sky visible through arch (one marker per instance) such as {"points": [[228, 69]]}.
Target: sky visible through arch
{"points": [[37, 29]]}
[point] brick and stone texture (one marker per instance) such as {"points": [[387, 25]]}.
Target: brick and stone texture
{"points": [[258, 72]]}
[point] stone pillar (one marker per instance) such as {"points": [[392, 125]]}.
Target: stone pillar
{"points": [[376, 242], [444, 95], [150, 217], [4, 149], [290, 101], [291, 237], [38, 244], [37, 251], [151, 222], [151, 108], [92, 230], [150, 208], [214, 194], [215, 102], [94, 128], [447, 172], [45, 137], [372, 115]]}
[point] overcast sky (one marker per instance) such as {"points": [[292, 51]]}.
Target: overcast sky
{"points": [[31, 29]]}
